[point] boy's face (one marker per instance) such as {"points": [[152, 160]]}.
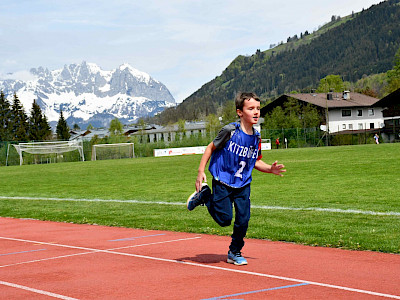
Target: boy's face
{"points": [[251, 111]]}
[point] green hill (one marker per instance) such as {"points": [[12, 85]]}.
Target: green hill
{"points": [[352, 47]]}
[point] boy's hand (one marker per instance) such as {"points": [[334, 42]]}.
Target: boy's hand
{"points": [[277, 169], [201, 176]]}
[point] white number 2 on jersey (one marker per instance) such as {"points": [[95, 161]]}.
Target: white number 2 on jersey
{"points": [[239, 172]]}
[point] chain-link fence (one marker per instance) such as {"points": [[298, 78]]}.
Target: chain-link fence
{"points": [[294, 137], [314, 137], [288, 138]]}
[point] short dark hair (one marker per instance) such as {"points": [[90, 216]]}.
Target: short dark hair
{"points": [[241, 97]]}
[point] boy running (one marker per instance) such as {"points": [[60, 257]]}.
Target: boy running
{"points": [[234, 153]]}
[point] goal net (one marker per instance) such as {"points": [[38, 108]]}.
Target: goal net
{"points": [[113, 151], [48, 151]]}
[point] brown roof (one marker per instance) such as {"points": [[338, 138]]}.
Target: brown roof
{"points": [[320, 99]]}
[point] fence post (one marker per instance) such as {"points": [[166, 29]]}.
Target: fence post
{"points": [[8, 149]]}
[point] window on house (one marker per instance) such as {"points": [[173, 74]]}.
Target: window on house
{"points": [[371, 125], [346, 112], [343, 126], [350, 126], [359, 113], [360, 126], [371, 112]]}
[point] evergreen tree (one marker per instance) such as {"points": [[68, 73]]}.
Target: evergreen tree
{"points": [[5, 113], [39, 128], [19, 121], [45, 128], [62, 129], [34, 122]]}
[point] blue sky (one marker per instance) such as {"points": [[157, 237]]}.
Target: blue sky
{"points": [[183, 44]]}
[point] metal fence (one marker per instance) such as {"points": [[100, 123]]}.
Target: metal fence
{"points": [[288, 138], [314, 137]]}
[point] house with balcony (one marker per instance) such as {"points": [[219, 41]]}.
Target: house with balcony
{"points": [[340, 111]]}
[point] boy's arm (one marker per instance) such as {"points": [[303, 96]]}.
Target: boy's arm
{"points": [[275, 168], [201, 175]]}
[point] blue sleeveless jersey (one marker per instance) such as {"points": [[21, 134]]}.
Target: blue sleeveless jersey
{"points": [[234, 163]]}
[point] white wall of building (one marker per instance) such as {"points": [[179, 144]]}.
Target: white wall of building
{"points": [[359, 118]]}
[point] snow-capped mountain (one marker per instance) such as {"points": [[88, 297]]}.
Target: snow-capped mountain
{"points": [[89, 95]]}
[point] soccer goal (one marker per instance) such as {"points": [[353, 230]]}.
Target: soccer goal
{"points": [[47, 151], [113, 151]]}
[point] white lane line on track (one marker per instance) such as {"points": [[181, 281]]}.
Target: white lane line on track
{"points": [[360, 291], [90, 250], [26, 288], [319, 209]]}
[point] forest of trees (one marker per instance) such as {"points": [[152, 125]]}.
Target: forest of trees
{"points": [[293, 115], [363, 45], [17, 126]]}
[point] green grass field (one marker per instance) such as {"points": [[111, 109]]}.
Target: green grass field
{"points": [[344, 197]]}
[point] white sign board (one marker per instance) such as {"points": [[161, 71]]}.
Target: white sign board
{"points": [[265, 146], [193, 150], [179, 151]]}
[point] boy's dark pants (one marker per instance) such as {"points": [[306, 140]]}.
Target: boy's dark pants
{"points": [[220, 208]]}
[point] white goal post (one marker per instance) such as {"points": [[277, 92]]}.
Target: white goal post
{"points": [[57, 147], [113, 151]]}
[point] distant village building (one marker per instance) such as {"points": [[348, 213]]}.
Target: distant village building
{"points": [[169, 133], [87, 135], [149, 134]]}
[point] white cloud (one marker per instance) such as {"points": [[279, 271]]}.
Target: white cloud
{"points": [[19, 75]]}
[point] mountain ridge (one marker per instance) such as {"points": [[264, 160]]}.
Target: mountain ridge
{"points": [[88, 94], [363, 44]]}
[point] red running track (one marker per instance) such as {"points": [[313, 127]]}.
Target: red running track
{"points": [[48, 260]]}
